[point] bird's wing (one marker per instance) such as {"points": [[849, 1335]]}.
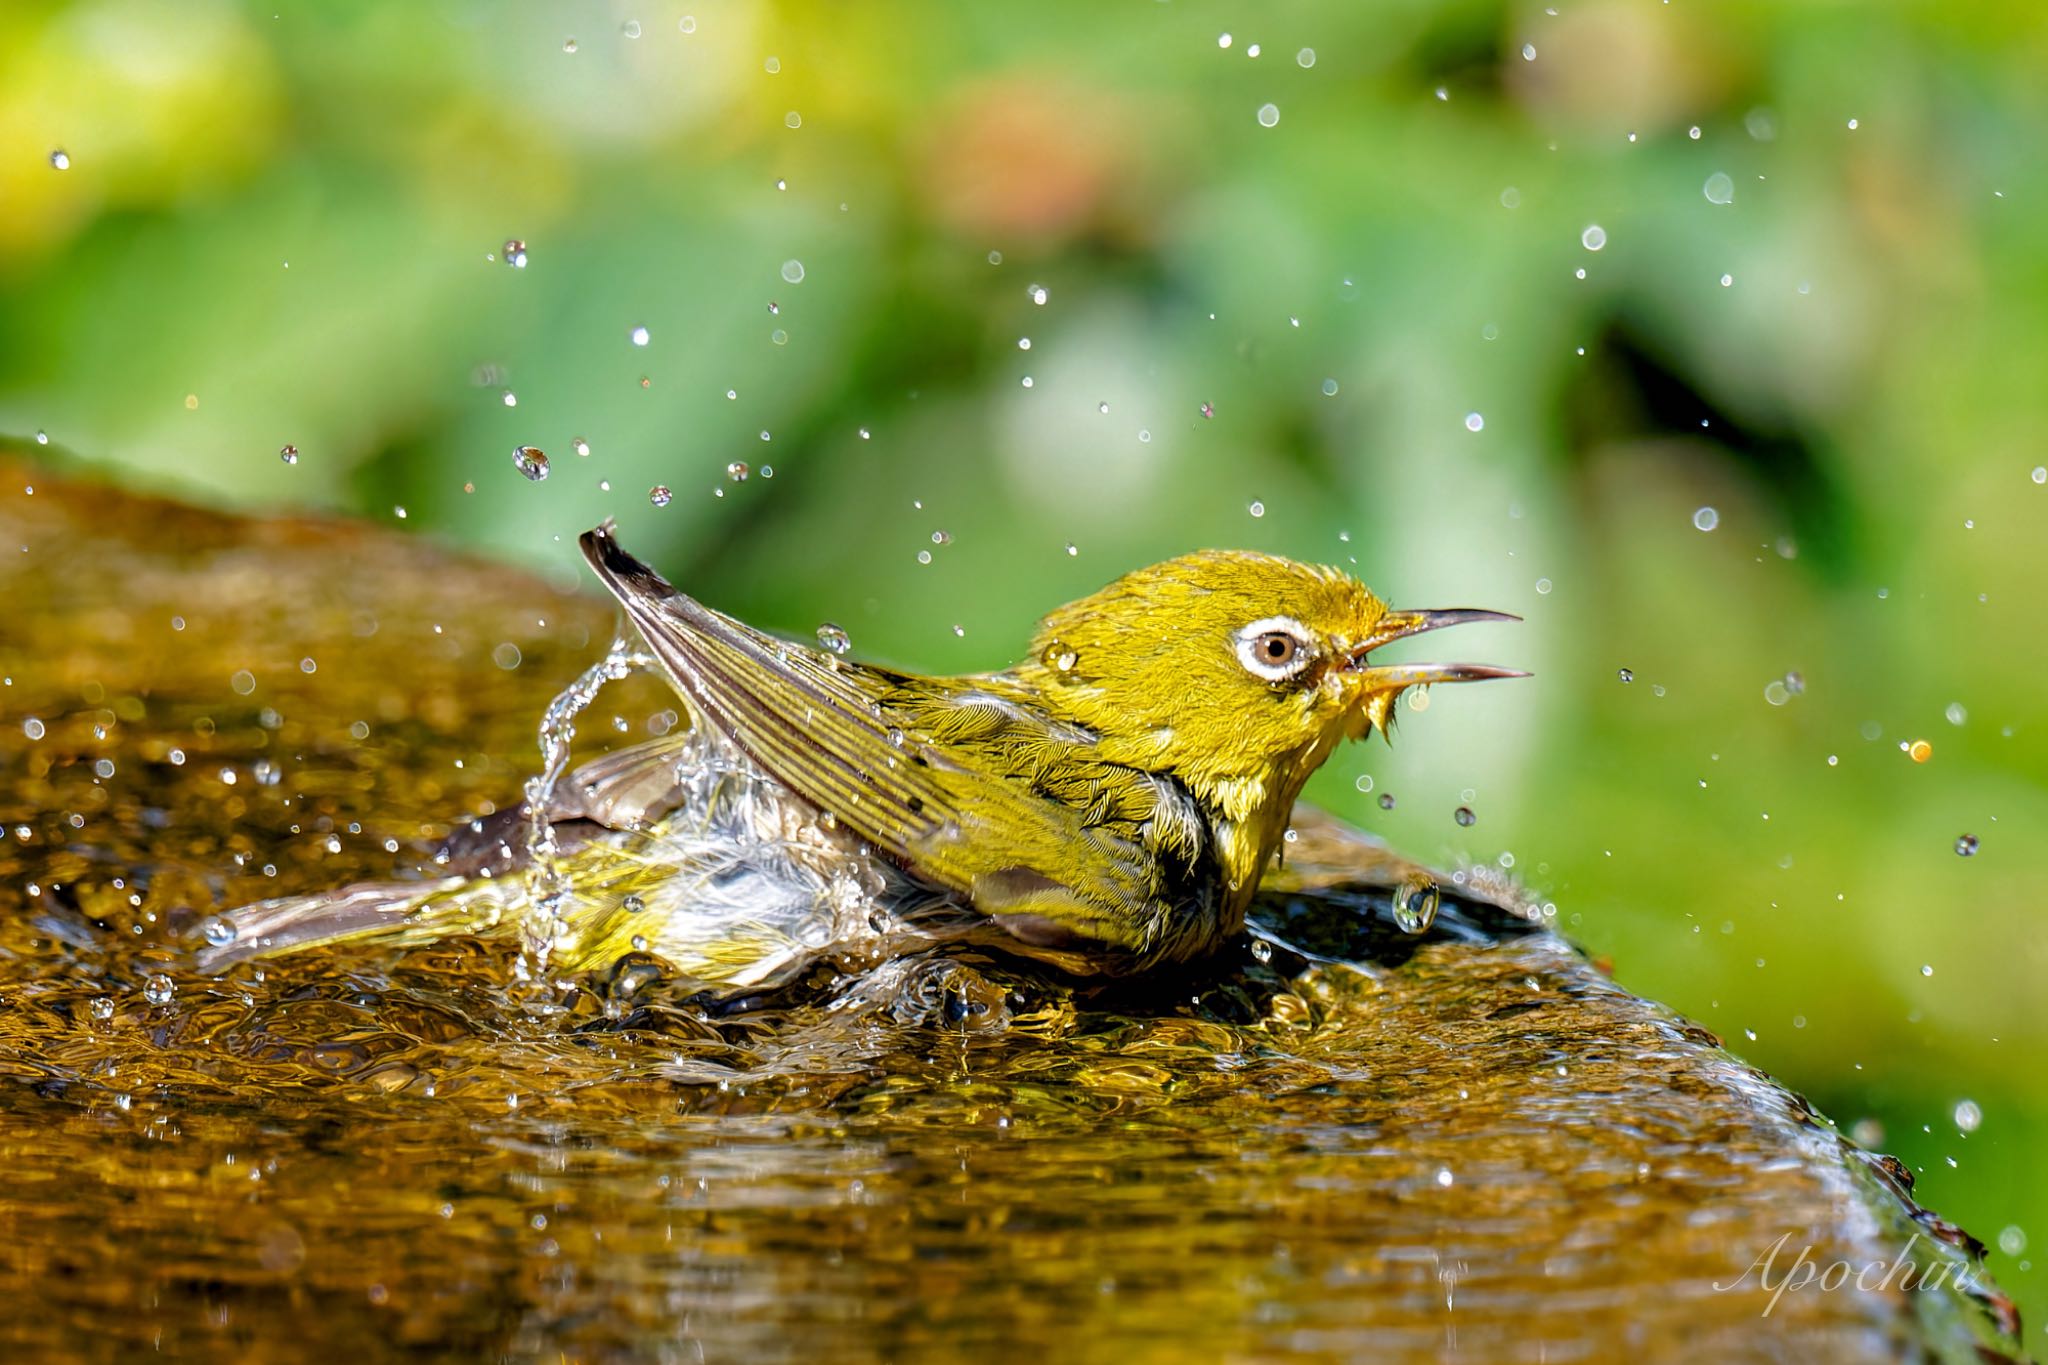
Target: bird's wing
{"points": [[956, 780], [627, 788]]}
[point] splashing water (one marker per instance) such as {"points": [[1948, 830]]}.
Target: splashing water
{"points": [[547, 887], [1415, 904]]}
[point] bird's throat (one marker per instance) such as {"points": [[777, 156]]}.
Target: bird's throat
{"points": [[1249, 814]]}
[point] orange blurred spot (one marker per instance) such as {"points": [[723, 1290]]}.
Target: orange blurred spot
{"points": [[1920, 750], [1031, 155]]}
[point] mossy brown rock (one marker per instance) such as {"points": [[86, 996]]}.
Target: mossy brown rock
{"points": [[1470, 1145]]}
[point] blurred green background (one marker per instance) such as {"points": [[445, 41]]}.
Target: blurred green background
{"points": [[1500, 304]]}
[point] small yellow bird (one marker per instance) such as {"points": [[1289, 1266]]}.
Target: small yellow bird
{"points": [[1108, 803]]}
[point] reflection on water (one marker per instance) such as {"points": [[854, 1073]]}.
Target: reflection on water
{"points": [[1343, 1139]]}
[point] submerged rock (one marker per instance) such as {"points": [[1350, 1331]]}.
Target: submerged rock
{"points": [[1343, 1138]]}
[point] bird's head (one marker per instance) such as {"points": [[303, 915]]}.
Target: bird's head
{"points": [[1229, 667]]}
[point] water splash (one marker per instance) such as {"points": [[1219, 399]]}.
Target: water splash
{"points": [[1415, 904], [547, 887]]}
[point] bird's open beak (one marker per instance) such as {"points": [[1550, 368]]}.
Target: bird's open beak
{"points": [[1380, 685]]}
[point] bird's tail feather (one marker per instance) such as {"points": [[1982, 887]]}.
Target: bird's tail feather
{"points": [[401, 914]]}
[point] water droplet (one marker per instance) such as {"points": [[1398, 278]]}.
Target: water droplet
{"points": [[1208, 409], [1594, 237], [1795, 682], [1706, 519], [1059, 657], [1257, 509], [2040, 474], [1776, 693], [33, 728], [687, 24], [289, 454], [530, 461], [1464, 816], [568, 44], [1693, 132], [737, 471], [1414, 904], [1510, 198], [1542, 587], [1444, 1177], [640, 336], [515, 253], [60, 159], [1269, 114], [792, 119], [1966, 847], [217, 930], [1627, 675], [1386, 800], [509, 398], [1968, 1116], [157, 989], [1955, 713], [1252, 51], [103, 1007], [1329, 388], [793, 271], [1720, 188], [1528, 52], [1037, 293], [834, 638], [1920, 751], [942, 537], [1474, 422], [1072, 549], [1727, 281]]}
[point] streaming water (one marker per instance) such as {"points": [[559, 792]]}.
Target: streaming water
{"points": [[547, 888]]}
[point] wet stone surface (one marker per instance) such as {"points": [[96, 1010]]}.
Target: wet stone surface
{"points": [[1470, 1145]]}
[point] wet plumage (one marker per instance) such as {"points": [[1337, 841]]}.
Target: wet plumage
{"points": [[1110, 801]]}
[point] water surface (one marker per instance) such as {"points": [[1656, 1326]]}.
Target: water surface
{"points": [[1465, 1146]]}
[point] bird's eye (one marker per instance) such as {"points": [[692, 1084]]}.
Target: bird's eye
{"points": [[1275, 650]]}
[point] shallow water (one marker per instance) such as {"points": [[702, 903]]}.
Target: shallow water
{"points": [[1469, 1145]]}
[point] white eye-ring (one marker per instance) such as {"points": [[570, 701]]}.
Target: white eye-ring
{"points": [[1276, 649]]}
